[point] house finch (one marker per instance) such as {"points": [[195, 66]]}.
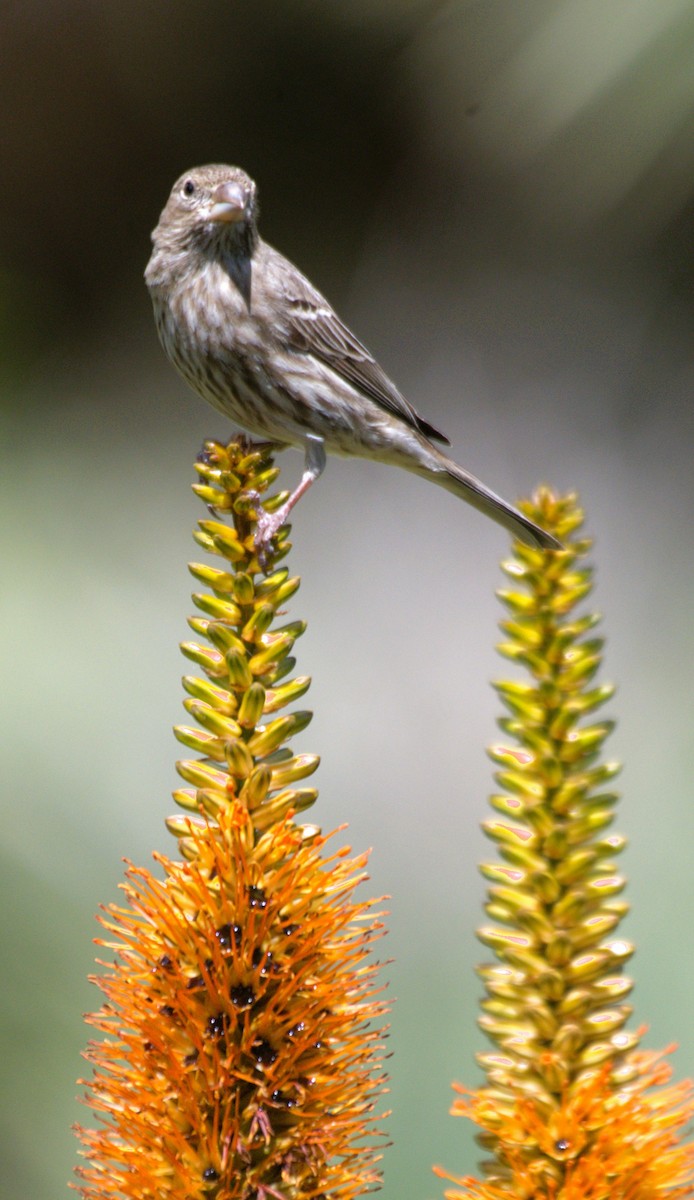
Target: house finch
{"points": [[250, 334]]}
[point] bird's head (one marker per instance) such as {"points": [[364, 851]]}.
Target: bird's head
{"points": [[210, 204]]}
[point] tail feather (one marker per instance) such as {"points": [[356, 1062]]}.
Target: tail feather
{"points": [[452, 477]]}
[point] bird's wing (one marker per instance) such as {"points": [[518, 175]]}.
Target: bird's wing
{"points": [[312, 327]]}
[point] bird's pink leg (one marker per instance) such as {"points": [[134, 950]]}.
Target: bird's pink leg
{"points": [[314, 465]]}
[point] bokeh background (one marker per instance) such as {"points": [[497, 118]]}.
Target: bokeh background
{"points": [[499, 197]]}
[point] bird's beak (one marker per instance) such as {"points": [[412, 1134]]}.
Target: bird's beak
{"points": [[228, 203]]}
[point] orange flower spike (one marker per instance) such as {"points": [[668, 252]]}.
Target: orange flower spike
{"points": [[572, 1110], [240, 1056]]}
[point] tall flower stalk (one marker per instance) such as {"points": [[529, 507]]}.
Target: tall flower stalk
{"points": [[571, 1109], [241, 1055]]}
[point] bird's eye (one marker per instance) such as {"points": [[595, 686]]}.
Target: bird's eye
{"points": [[188, 187]]}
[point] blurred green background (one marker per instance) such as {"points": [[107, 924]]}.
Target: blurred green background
{"points": [[499, 197]]}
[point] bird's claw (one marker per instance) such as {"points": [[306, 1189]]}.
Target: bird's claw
{"points": [[267, 525]]}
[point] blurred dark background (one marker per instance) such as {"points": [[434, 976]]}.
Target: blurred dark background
{"points": [[499, 197]]}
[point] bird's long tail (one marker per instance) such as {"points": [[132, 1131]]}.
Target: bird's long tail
{"points": [[452, 477]]}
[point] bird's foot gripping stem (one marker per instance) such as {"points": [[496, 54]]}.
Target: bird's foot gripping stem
{"points": [[268, 523]]}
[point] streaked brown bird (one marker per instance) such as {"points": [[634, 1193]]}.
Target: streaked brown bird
{"points": [[250, 334]]}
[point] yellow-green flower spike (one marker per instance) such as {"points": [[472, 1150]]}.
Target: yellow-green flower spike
{"points": [[558, 907], [245, 656]]}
